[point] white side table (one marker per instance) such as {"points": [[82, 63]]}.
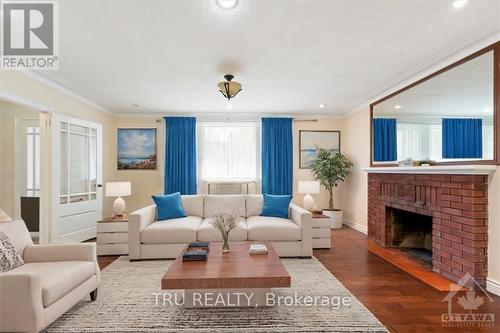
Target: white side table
{"points": [[112, 236], [321, 231]]}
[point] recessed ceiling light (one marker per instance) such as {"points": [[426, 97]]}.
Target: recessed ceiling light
{"points": [[226, 4], [322, 106], [229, 106], [459, 3], [135, 105], [487, 110], [398, 107]]}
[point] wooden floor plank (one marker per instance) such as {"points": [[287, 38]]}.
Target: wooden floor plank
{"points": [[399, 301]]}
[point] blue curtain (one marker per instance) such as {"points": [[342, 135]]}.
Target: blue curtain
{"points": [[462, 138], [277, 156], [180, 155], [384, 140]]}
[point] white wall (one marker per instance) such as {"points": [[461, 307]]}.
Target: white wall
{"points": [[322, 123]]}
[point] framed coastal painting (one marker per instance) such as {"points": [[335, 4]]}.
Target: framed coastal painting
{"points": [[309, 141], [136, 148]]}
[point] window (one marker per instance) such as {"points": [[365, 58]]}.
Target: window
{"points": [[78, 163], [228, 150], [418, 141], [32, 161]]}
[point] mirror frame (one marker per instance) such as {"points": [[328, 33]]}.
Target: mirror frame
{"points": [[496, 106]]}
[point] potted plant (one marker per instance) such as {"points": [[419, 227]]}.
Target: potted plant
{"points": [[331, 169]]}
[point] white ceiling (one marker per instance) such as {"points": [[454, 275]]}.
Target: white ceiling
{"points": [[289, 55], [464, 91]]}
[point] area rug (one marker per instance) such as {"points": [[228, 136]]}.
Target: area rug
{"points": [[127, 302]]}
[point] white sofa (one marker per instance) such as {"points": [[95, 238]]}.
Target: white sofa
{"points": [[149, 239], [53, 279]]}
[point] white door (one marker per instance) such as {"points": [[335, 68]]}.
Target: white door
{"points": [[76, 178]]}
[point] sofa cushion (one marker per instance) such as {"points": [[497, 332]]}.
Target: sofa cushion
{"points": [[174, 231], [4, 217], [18, 234], [254, 204], [193, 205], [59, 277], [168, 206], [9, 257], [276, 205], [214, 203], [208, 233], [265, 228]]}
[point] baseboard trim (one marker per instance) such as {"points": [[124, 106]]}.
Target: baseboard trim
{"points": [[493, 286], [356, 226]]}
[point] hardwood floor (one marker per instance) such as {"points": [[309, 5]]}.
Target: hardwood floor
{"points": [[400, 302]]}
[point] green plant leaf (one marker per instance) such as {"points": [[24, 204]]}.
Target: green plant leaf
{"points": [[331, 169]]}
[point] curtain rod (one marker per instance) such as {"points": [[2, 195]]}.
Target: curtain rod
{"points": [[304, 120], [294, 119]]}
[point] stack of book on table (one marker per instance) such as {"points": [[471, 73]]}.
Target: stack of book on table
{"points": [[196, 251], [258, 249]]}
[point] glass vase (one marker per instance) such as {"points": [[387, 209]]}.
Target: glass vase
{"points": [[225, 242]]}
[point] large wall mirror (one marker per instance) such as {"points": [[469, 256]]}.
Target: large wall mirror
{"points": [[448, 117]]}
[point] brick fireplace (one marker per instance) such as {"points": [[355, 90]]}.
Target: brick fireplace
{"points": [[457, 205]]}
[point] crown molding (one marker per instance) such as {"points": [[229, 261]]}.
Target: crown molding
{"points": [[64, 90], [237, 116], [441, 59]]}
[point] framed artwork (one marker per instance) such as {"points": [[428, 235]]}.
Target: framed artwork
{"points": [[136, 148], [309, 141]]}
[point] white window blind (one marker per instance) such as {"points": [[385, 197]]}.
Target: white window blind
{"points": [[228, 150], [78, 163]]}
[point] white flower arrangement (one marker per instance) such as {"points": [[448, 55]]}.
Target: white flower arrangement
{"points": [[225, 220]]}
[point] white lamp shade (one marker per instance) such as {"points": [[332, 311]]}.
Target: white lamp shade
{"points": [[118, 189], [308, 187]]}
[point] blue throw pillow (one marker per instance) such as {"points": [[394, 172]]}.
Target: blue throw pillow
{"points": [[276, 205], [169, 206]]}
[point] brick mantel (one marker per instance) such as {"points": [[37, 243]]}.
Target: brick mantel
{"points": [[458, 205]]}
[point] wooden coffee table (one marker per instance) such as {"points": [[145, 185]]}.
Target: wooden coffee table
{"points": [[233, 279]]}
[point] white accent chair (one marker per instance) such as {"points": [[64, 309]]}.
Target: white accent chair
{"points": [[53, 279], [150, 239]]}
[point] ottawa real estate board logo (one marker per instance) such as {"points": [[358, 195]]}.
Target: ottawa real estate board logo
{"points": [[467, 307], [30, 35]]}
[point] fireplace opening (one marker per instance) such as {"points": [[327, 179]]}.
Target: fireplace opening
{"points": [[412, 233]]}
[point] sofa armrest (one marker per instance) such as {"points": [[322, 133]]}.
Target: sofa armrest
{"points": [[60, 252], [137, 221], [303, 218], [21, 305]]}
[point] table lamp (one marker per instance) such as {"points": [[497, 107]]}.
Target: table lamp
{"points": [[308, 188], [119, 190]]}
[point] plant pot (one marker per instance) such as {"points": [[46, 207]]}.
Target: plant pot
{"points": [[336, 218]]}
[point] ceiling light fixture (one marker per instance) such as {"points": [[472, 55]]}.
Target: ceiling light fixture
{"points": [[397, 107], [322, 106], [487, 110], [229, 88], [229, 106], [226, 4], [457, 4]]}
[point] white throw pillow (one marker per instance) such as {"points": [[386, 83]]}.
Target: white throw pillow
{"points": [[9, 257], [4, 217]]}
